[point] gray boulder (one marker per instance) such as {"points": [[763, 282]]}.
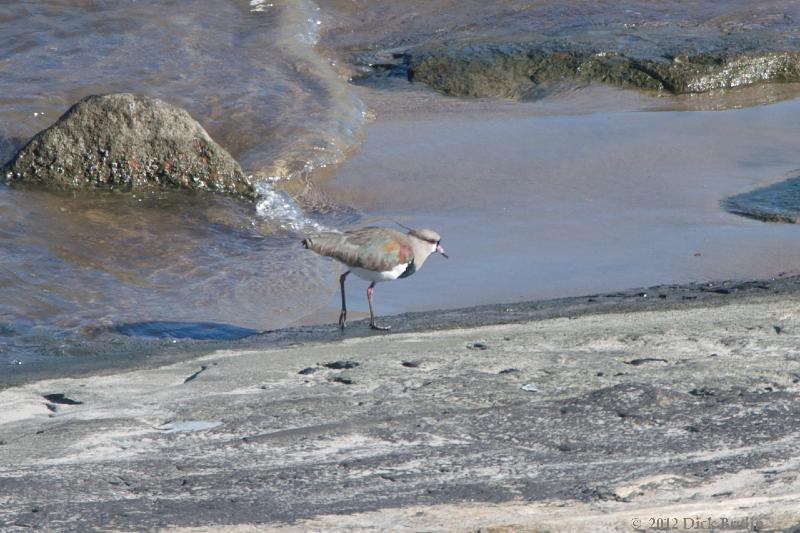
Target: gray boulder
{"points": [[127, 142]]}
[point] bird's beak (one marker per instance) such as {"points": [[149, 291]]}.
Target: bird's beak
{"points": [[440, 250]]}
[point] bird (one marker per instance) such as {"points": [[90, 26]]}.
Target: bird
{"points": [[376, 254]]}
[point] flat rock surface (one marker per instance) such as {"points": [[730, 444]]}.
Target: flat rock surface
{"points": [[601, 421]]}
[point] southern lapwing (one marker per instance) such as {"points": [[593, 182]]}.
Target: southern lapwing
{"points": [[376, 254]]}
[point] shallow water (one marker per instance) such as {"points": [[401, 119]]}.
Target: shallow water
{"points": [[570, 195], [390, 24], [73, 265], [76, 265], [535, 205]]}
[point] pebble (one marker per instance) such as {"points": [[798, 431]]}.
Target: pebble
{"points": [[339, 365], [529, 387], [702, 391], [637, 362], [60, 398]]}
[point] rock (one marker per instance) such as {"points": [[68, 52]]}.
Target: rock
{"points": [[127, 142], [531, 69], [643, 360], [60, 398], [339, 365], [203, 368], [779, 202], [703, 392], [641, 401]]}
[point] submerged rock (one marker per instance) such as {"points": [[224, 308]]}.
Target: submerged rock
{"points": [[779, 202], [128, 142]]}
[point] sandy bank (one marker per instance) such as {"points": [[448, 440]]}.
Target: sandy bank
{"points": [[568, 423]]}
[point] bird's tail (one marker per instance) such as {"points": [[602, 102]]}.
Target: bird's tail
{"points": [[304, 242]]}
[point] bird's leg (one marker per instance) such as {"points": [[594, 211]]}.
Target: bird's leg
{"points": [[343, 314], [372, 323]]}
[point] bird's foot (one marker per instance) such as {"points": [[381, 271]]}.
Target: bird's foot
{"points": [[343, 320], [376, 327]]}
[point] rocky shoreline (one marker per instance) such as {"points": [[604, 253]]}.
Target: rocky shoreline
{"points": [[528, 70], [616, 407]]}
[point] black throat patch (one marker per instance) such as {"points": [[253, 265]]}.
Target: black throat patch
{"points": [[410, 269]]}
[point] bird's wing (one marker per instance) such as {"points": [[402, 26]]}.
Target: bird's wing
{"points": [[378, 249]]}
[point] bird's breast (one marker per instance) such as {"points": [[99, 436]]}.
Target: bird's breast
{"points": [[385, 275], [410, 269]]}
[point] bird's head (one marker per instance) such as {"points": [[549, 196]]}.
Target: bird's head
{"points": [[430, 237]]}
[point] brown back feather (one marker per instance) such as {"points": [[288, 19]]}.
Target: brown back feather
{"points": [[371, 248]]}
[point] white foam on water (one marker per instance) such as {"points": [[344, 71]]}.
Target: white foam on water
{"points": [[279, 207], [305, 22], [259, 6], [301, 23]]}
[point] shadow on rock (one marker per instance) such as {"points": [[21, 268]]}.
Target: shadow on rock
{"points": [[201, 331], [9, 146]]}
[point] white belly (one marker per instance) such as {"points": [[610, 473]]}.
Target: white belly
{"points": [[386, 275]]}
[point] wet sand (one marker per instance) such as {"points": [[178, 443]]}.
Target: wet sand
{"points": [[582, 414]]}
